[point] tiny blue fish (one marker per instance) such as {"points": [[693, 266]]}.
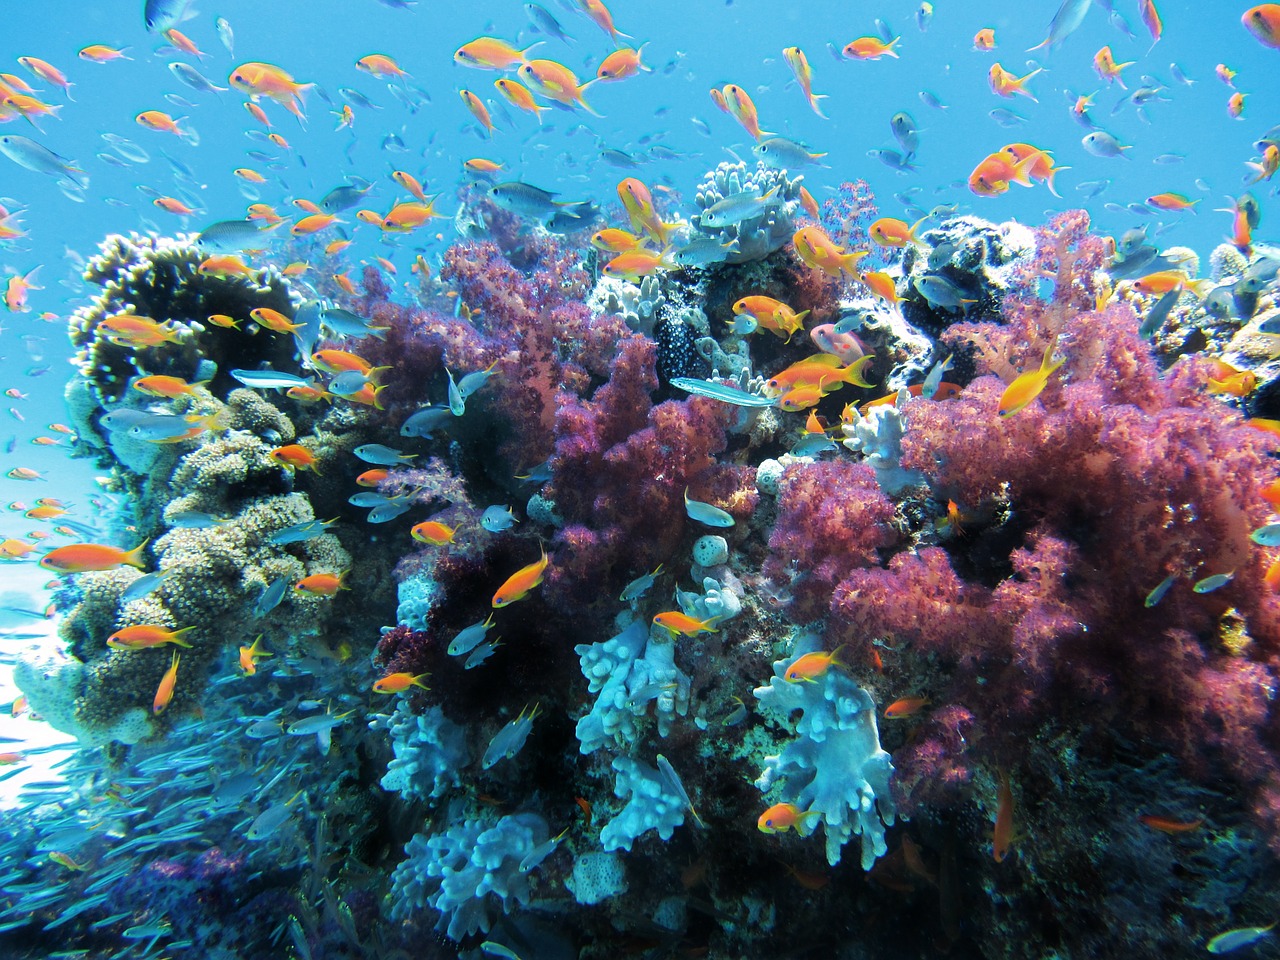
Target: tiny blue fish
{"points": [[1235, 939], [270, 598], [144, 585], [480, 654], [381, 455], [1156, 595], [638, 587], [469, 637], [1215, 582], [705, 513], [510, 740], [1268, 536], [498, 518]]}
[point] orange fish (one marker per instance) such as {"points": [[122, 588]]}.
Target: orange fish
{"points": [[1150, 19], [340, 361], [774, 315], [613, 240], [870, 48], [481, 166], [48, 73], [164, 692], [882, 286], [161, 122], [184, 43], [993, 175], [399, 682], [157, 385], [743, 109], [267, 80], [820, 370], [638, 263], [621, 64], [1006, 84], [1169, 825], [517, 586], [478, 109], [1171, 201], [410, 183], [371, 478], [224, 265], [889, 232], [1263, 21], [1029, 385], [799, 65], [681, 624], [309, 392], [1003, 836], [407, 216], [906, 707], [807, 668], [555, 81], [380, 65], [602, 18], [224, 321], [127, 329], [173, 205], [819, 251], [249, 657], [782, 817], [296, 457], [258, 113], [809, 204], [1235, 105], [489, 53], [321, 584], [273, 320], [100, 53], [85, 557], [1269, 164], [143, 636], [313, 223], [1104, 64], [638, 201], [16, 289], [985, 39], [433, 532]]}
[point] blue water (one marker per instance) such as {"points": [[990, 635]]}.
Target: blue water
{"points": [[690, 46]]}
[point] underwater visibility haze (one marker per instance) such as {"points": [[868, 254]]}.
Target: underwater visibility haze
{"points": [[600, 478]]}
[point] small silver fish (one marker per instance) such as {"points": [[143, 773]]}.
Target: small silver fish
{"points": [[469, 637], [510, 740], [270, 598], [225, 34], [783, 154], [638, 587], [1215, 582], [1161, 588], [426, 421]]}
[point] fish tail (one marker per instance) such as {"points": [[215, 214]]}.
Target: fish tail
{"points": [[813, 103], [134, 557]]}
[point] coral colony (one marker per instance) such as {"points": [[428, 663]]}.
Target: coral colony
{"points": [[561, 611]]}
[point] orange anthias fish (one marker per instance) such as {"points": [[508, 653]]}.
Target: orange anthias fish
{"points": [[490, 53], [1171, 201], [517, 586], [992, 176], [774, 315], [380, 65], [621, 64], [818, 250], [321, 584], [1006, 84], [602, 18], [164, 692], [906, 707], [478, 110], [1029, 385], [1002, 839], [1104, 64], [144, 636], [249, 657], [681, 624], [799, 65], [870, 48], [267, 80], [890, 232], [100, 53], [127, 329], [48, 73], [433, 532], [743, 109], [1041, 169], [638, 201], [16, 289], [555, 81], [162, 122], [399, 682], [296, 457], [808, 668], [1169, 825], [782, 817], [86, 557], [985, 39], [1263, 21]]}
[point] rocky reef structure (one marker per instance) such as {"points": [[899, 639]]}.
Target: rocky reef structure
{"points": [[1043, 608]]}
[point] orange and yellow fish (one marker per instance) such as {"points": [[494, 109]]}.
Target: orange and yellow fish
{"points": [[86, 557], [399, 682], [164, 692], [517, 586], [146, 635], [249, 657], [681, 624], [1029, 385], [810, 666]]}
